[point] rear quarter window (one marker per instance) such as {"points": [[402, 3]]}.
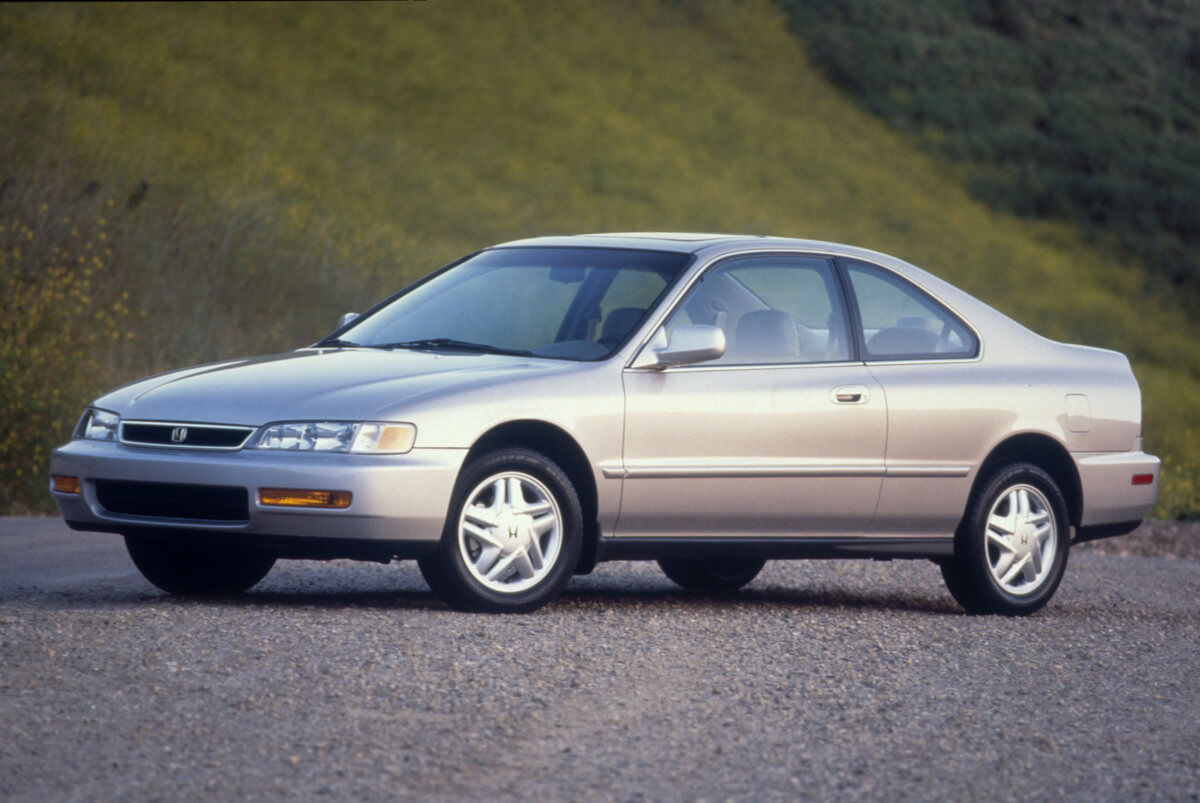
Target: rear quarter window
{"points": [[900, 321]]}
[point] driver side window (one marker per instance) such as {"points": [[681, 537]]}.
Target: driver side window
{"points": [[773, 308]]}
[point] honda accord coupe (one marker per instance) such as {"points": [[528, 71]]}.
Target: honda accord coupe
{"points": [[710, 402]]}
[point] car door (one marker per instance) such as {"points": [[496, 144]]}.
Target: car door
{"points": [[941, 412], [784, 435]]}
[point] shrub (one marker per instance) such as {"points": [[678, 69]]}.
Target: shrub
{"points": [[61, 319], [103, 281], [1079, 111]]}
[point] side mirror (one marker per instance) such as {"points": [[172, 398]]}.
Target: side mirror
{"points": [[687, 344], [346, 320]]}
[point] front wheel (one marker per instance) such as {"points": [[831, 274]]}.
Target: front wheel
{"points": [[1011, 551], [512, 536], [182, 567]]}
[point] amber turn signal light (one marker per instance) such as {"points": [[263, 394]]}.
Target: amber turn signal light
{"points": [[1143, 479], [291, 497], [64, 485]]}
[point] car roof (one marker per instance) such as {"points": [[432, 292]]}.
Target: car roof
{"points": [[684, 242]]}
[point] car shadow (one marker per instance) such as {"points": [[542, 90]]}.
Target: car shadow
{"points": [[772, 597], [415, 597]]}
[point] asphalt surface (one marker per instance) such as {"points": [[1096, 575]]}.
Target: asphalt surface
{"points": [[823, 679]]}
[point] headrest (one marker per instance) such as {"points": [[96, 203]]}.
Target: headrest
{"points": [[620, 321], [767, 334]]}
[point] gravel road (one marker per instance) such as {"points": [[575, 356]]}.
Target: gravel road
{"points": [[824, 679]]}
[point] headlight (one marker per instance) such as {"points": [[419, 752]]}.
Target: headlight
{"points": [[98, 425], [385, 438], [337, 436], [307, 436]]}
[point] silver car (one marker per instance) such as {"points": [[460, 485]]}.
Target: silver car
{"points": [[707, 401]]}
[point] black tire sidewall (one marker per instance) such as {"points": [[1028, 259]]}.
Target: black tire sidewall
{"points": [[711, 576], [460, 588], [433, 570], [181, 566], [971, 549]]}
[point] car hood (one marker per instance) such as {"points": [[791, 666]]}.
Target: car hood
{"points": [[311, 384]]}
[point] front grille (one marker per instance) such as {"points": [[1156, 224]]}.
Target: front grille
{"points": [[164, 500], [190, 436]]}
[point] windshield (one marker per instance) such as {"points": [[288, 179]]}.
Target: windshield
{"points": [[565, 303]]}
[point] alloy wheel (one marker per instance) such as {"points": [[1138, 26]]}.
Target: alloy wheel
{"points": [[1021, 538], [510, 532]]}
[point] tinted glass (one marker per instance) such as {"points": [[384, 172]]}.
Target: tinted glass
{"points": [[569, 303], [772, 308], [900, 321]]}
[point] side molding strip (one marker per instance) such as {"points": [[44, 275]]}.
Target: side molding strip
{"points": [[773, 548], [732, 472], [928, 471]]}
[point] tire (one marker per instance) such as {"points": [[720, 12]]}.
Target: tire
{"points": [[188, 568], [434, 573], [712, 576], [512, 537], [1010, 552]]}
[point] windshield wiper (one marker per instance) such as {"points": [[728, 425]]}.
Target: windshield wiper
{"points": [[338, 343], [451, 343]]}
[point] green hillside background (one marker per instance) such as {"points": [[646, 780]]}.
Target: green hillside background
{"points": [[1083, 111], [187, 183]]}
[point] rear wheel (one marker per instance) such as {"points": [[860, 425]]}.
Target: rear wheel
{"points": [[181, 567], [1011, 551], [512, 537], [712, 576]]}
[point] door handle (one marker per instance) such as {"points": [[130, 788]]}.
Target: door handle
{"points": [[850, 394]]}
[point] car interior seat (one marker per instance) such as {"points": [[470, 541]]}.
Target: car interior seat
{"points": [[902, 340], [767, 335]]}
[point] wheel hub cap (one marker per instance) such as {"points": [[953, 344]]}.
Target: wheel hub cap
{"points": [[513, 531], [510, 532], [1022, 539]]}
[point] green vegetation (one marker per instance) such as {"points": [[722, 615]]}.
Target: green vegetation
{"points": [[300, 161], [1084, 111]]}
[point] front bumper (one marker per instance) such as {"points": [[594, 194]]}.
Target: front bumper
{"points": [[395, 498], [1109, 497]]}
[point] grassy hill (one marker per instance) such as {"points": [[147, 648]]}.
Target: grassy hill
{"points": [[1080, 111], [185, 183]]}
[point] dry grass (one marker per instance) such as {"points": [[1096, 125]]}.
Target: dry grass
{"points": [[305, 160]]}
